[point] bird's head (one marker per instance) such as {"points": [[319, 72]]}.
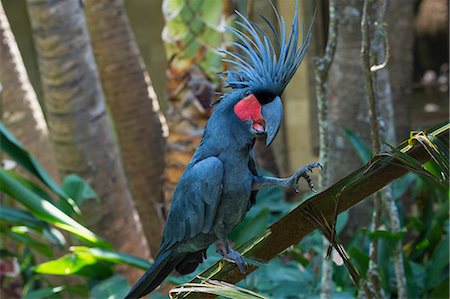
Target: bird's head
{"points": [[261, 71]]}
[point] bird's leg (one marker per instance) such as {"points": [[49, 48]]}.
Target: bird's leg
{"points": [[260, 182], [230, 254]]}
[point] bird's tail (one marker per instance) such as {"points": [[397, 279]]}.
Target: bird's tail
{"points": [[154, 276]]}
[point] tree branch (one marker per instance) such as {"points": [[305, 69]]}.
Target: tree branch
{"points": [[291, 229]]}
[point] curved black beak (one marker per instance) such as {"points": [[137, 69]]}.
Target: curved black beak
{"points": [[273, 114]]}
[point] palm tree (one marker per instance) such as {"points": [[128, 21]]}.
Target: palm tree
{"points": [[21, 112], [80, 129], [140, 126], [192, 34]]}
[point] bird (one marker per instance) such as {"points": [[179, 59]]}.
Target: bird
{"points": [[220, 183]]}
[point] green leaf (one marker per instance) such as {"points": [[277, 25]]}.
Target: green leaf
{"points": [[413, 165], [442, 290], [32, 186], [13, 148], [387, 235], [21, 237], [18, 217], [361, 148], [114, 287], [45, 210], [360, 258], [14, 216], [112, 256], [81, 263], [78, 189], [43, 293], [439, 263]]}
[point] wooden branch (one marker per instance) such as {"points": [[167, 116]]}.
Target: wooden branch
{"points": [[289, 230]]}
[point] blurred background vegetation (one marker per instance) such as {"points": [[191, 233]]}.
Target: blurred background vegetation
{"points": [[104, 102]]}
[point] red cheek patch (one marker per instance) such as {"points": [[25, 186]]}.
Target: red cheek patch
{"points": [[249, 108]]}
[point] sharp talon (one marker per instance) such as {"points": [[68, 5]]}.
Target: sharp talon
{"points": [[236, 258]]}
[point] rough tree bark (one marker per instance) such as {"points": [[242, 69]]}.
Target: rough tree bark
{"points": [[192, 34], [80, 129], [140, 126], [20, 110]]}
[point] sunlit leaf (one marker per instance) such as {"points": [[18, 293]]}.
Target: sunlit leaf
{"points": [[112, 256], [13, 216], [13, 148], [45, 210], [81, 263]]}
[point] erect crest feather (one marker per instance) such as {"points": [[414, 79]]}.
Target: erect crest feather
{"points": [[257, 64]]}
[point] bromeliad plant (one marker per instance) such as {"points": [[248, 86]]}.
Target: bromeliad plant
{"points": [[40, 220]]}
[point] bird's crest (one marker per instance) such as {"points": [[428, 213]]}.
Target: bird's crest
{"points": [[257, 64]]}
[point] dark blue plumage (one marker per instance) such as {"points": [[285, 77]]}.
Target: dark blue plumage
{"points": [[220, 183]]}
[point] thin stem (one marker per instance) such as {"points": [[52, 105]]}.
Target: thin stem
{"points": [[381, 36], [372, 273], [384, 196], [321, 73], [380, 30]]}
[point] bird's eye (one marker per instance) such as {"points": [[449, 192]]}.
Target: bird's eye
{"points": [[246, 93]]}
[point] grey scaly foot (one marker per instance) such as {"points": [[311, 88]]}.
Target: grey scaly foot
{"points": [[235, 257], [305, 173]]}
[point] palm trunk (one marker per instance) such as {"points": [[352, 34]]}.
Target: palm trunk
{"points": [[140, 126], [81, 132], [191, 38], [20, 110]]}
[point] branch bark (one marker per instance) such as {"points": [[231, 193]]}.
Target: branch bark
{"points": [[291, 229]]}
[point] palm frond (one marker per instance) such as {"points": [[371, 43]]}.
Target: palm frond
{"points": [[213, 287]]}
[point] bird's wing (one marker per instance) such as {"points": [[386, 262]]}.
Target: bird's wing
{"points": [[195, 201], [252, 167]]}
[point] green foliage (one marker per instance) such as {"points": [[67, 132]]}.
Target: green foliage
{"points": [[114, 287], [31, 218], [30, 221], [15, 150], [425, 227]]}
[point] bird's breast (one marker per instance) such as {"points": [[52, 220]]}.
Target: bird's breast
{"points": [[237, 186]]}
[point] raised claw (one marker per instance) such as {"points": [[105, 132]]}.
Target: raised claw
{"points": [[304, 172]]}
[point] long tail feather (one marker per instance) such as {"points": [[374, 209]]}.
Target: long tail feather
{"points": [[153, 277]]}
